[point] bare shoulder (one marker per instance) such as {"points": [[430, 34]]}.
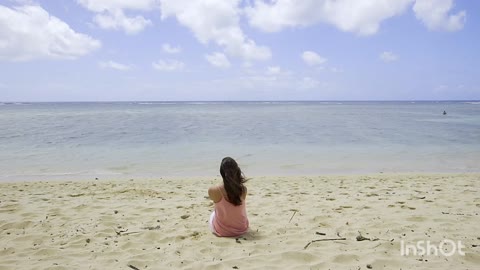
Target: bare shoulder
{"points": [[215, 194]]}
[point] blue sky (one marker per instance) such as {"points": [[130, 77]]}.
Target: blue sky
{"points": [[118, 50]]}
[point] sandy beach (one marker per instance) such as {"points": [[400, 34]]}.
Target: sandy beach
{"points": [[162, 223]]}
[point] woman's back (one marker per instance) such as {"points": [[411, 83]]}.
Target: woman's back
{"points": [[230, 219]]}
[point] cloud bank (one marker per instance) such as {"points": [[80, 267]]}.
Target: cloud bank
{"points": [[362, 17], [30, 32]]}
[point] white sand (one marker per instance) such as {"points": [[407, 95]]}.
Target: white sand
{"points": [[162, 224]]}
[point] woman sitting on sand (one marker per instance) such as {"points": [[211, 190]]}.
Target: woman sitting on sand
{"points": [[230, 216]]}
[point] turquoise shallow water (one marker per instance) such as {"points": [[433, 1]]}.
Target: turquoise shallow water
{"points": [[126, 139]]}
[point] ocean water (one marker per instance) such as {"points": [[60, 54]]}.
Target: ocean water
{"points": [[156, 139]]}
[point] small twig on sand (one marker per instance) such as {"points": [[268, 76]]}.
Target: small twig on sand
{"points": [[120, 232], [321, 233], [124, 232], [294, 212], [133, 267], [328, 239], [151, 228], [456, 214]]}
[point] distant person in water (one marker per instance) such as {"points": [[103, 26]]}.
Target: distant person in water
{"points": [[444, 113], [229, 217]]}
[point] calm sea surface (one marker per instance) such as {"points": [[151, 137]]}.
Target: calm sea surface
{"points": [[155, 139]]}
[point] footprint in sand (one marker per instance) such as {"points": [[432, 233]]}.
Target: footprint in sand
{"points": [[345, 258], [417, 219]]}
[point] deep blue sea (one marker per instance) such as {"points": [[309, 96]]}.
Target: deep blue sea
{"points": [[155, 139]]}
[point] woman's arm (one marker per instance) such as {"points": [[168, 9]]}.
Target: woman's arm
{"points": [[214, 194], [244, 195]]}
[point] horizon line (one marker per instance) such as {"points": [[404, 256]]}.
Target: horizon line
{"points": [[299, 100]]}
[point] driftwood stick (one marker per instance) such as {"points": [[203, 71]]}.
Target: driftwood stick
{"points": [[328, 239], [129, 233], [294, 212], [133, 267]]}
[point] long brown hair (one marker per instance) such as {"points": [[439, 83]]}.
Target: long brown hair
{"points": [[233, 180]]}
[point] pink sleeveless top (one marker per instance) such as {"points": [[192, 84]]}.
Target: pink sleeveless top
{"points": [[230, 220]]}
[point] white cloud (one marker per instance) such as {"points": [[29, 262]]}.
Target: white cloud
{"points": [[312, 58], [217, 21], [170, 49], [114, 65], [359, 16], [388, 57], [434, 14], [168, 65], [30, 32], [274, 70], [116, 20], [110, 14], [218, 60], [107, 5], [278, 72]]}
